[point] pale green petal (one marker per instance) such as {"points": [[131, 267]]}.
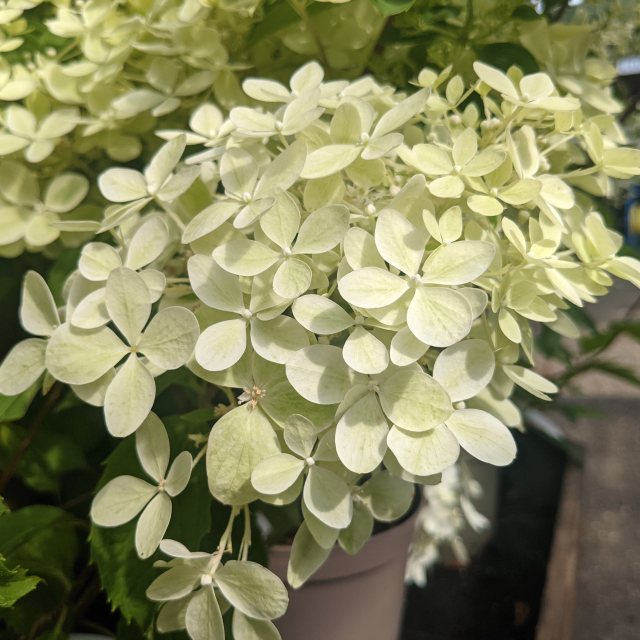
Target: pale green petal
{"points": [[170, 338], [152, 525], [364, 353], [378, 147], [438, 316], [152, 447], [179, 474], [327, 496], [496, 79], [38, 312], [174, 584], [279, 339], [360, 249], [75, 356], [221, 345], [23, 365], [424, 453], [464, 369], [360, 529], [429, 159], [252, 589], [91, 312], [238, 442], [208, 220], [346, 124], [400, 242], [98, 260], [321, 315], [521, 192], [372, 288], [203, 618], [252, 123], [361, 435], [163, 163], [325, 536], [405, 348], [621, 162], [447, 187], [238, 171], [319, 374], [329, 160], [307, 556], [300, 434], [40, 231], [483, 163], [282, 221], [245, 628], [414, 401], [465, 147], [213, 285], [171, 616], [120, 500], [283, 170], [128, 303], [65, 192], [156, 283], [276, 474], [401, 113], [129, 398], [292, 278], [458, 263], [387, 497], [245, 257], [530, 381], [322, 230], [19, 185], [122, 185], [485, 205], [483, 436], [147, 243], [13, 222]]}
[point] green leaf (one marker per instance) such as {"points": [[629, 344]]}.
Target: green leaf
{"points": [[14, 583], [42, 540], [13, 408], [393, 7]]}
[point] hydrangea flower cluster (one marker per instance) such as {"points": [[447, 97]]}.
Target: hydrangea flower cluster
{"points": [[358, 270]]}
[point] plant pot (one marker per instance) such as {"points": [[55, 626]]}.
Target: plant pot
{"points": [[358, 597]]}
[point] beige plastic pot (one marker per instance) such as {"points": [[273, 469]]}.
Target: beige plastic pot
{"points": [[357, 597]]}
